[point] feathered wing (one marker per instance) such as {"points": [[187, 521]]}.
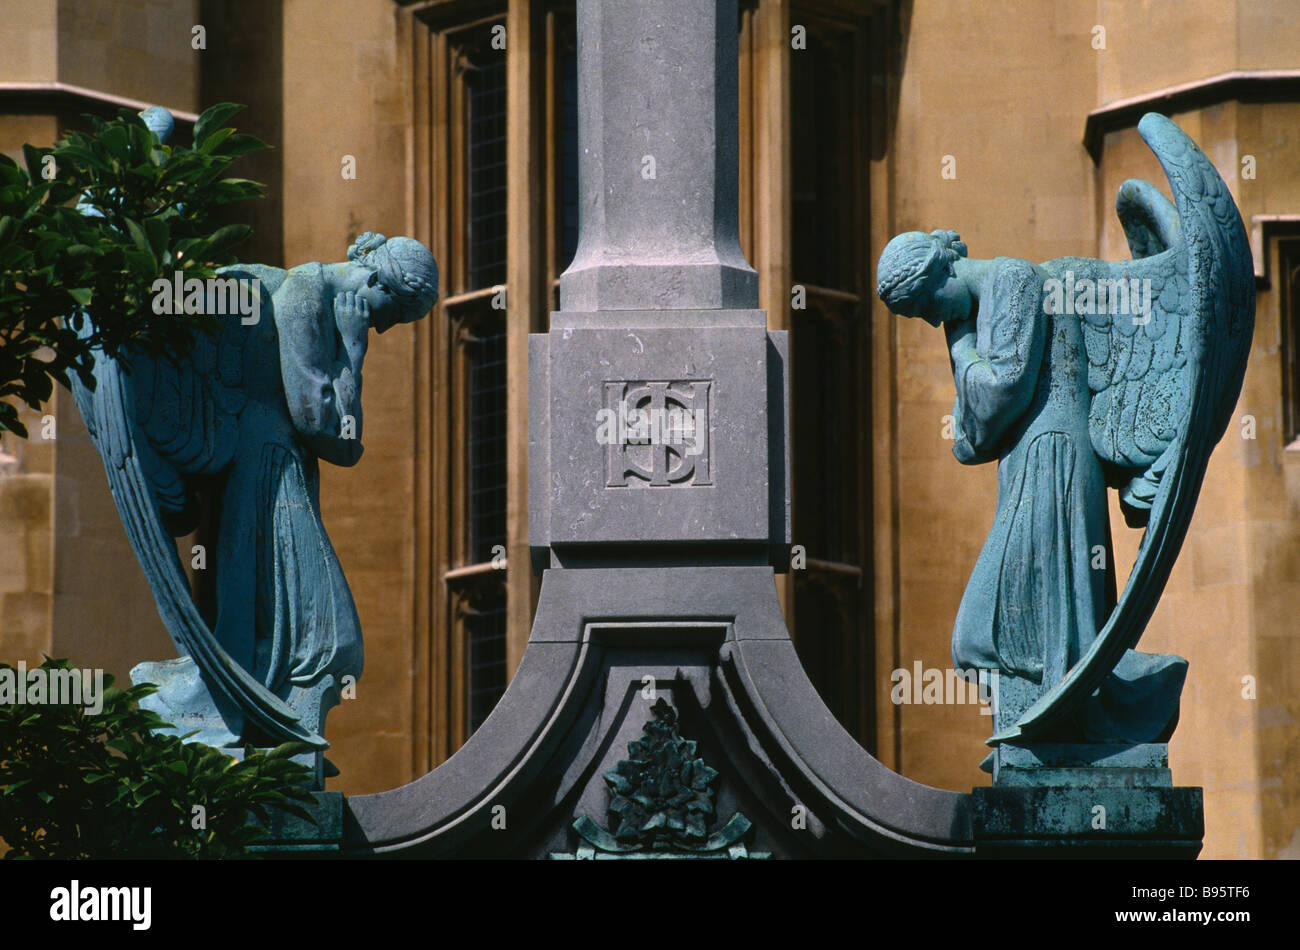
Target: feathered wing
{"points": [[1164, 385], [154, 427]]}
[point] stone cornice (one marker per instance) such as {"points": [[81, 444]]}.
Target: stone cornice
{"points": [[62, 96], [1263, 85]]}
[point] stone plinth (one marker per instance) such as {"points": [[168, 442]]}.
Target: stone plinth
{"points": [[706, 475], [784, 778], [1069, 800], [1155, 823]]}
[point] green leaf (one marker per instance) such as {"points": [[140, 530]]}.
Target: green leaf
{"points": [[81, 295], [9, 421], [34, 157], [240, 144], [230, 235], [212, 118], [213, 140], [116, 143], [286, 749], [137, 234], [157, 232], [78, 156]]}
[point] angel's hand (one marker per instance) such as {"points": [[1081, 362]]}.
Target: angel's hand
{"points": [[352, 317]]}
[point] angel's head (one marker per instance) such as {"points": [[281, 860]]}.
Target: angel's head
{"points": [[400, 278], [916, 277]]}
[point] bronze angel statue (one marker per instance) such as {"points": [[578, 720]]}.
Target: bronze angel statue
{"points": [[247, 415], [243, 419], [1076, 375]]}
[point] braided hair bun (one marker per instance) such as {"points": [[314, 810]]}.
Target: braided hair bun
{"points": [[912, 267], [405, 266]]}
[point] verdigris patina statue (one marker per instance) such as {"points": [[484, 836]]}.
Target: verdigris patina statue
{"points": [[245, 418], [1075, 375]]}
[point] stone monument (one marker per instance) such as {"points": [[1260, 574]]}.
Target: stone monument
{"points": [[659, 710]]}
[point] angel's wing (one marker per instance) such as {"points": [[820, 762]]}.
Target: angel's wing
{"points": [[156, 427], [1164, 383]]}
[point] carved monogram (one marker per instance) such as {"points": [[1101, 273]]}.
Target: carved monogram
{"points": [[656, 433]]}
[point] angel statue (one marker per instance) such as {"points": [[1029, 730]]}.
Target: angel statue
{"points": [[245, 417], [1076, 375]]}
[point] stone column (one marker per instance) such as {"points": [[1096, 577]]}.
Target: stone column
{"points": [[657, 145], [659, 320]]}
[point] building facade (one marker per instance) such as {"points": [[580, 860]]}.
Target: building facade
{"points": [[454, 122]]}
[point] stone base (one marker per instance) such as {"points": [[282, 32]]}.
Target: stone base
{"points": [[607, 648], [1085, 800], [610, 645], [1100, 822], [1080, 765], [291, 835]]}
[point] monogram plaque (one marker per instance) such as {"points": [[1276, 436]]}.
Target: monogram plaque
{"points": [[656, 434]]}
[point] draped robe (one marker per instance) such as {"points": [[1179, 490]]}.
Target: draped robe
{"points": [[1044, 582], [1034, 602], [284, 608]]}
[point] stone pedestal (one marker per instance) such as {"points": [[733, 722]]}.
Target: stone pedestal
{"points": [[1075, 800], [1080, 799], [658, 439], [1101, 821], [782, 777]]}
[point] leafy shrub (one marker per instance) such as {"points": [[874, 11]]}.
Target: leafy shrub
{"points": [[107, 785], [76, 279]]}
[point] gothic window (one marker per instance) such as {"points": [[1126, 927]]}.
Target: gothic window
{"points": [[830, 375], [461, 104]]}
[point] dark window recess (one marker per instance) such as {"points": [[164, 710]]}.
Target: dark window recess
{"points": [[1288, 255], [822, 191], [485, 629], [487, 173], [487, 445], [830, 426], [568, 157], [825, 426]]}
